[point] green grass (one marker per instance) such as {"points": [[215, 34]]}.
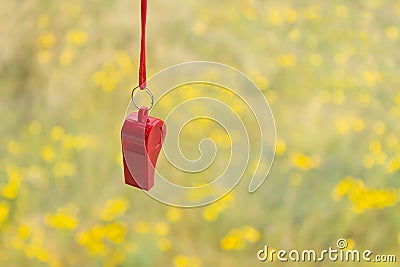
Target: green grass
{"points": [[329, 69]]}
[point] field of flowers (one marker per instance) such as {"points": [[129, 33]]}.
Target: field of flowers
{"points": [[329, 69]]}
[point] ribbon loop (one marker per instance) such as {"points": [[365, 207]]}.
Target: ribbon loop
{"points": [[142, 67]]}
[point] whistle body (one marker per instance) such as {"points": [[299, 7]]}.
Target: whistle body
{"points": [[141, 137]]}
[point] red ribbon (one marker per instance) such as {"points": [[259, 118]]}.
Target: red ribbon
{"points": [[142, 67]]}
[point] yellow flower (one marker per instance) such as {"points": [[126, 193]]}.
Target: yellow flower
{"points": [[398, 99], [370, 78], [287, 60], [181, 261], [77, 142], [232, 241], [342, 126], [164, 244], [92, 240], [220, 137], [35, 248], [115, 259], [271, 96], [392, 33], [261, 81], [17, 242], [64, 218], [350, 244], [368, 161], [13, 172], [363, 197], [29, 251], [141, 227], [275, 17], [107, 78], [24, 231], [4, 211], [375, 147], [250, 234], [280, 147], [57, 133], [64, 168], [66, 57], [174, 214], [343, 187], [114, 208], [188, 93], [294, 34], [76, 37], [48, 153], [379, 128], [393, 165], [392, 140], [119, 159], [358, 124], [211, 212], [304, 162], [46, 40], [124, 62], [342, 11], [161, 229], [312, 12], [380, 158], [115, 232], [290, 15], [236, 238], [338, 97], [10, 191], [395, 111], [61, 221], [199, 28], [13, 147], [375, 3], [83, 238], [43, 255], [166, 102]]}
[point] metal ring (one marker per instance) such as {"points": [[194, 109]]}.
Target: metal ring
{"points": [[147, 91]]}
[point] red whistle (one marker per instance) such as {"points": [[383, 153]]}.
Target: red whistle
{"points": [[142, 137]]}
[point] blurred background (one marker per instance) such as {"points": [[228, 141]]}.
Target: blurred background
{"points": [[329, 69]]}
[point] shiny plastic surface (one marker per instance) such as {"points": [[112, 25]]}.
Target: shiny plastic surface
{"points": [[141, 137]]}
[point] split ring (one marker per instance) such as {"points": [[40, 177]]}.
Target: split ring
{"points": [[149, 93]]}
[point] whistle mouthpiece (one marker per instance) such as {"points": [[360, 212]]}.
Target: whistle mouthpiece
{"points": [[143, 114]]}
